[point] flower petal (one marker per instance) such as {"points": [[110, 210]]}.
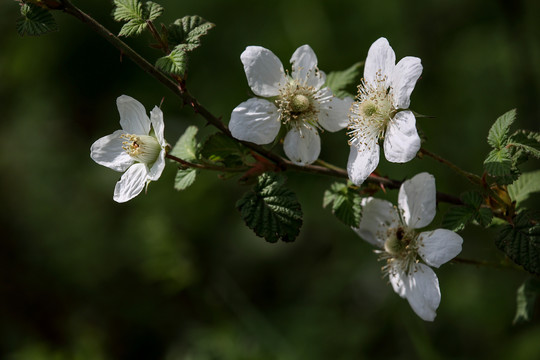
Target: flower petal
{"points": [[107, 151], [423, 292], [404, 77], [302, 146], [398, 279], [264, 71], [133, 118], [334, 114], [255, 120], [156, 116], [157, 168], [417, 200], [363, 160], [377, 217], [304, 67], [401, 142], [380, 62], [439, 246], [131, 183]]}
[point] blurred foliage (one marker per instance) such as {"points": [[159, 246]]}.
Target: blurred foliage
{"points": [[177, 275]]}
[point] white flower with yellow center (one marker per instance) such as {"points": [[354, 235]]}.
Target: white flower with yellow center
{"points": [[407, 252], [138, 148], [297, 101], [380, 112]]}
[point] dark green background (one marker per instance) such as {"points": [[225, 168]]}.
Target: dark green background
{"points": [[177, 275]]}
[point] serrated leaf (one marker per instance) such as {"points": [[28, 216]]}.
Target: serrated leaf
{"points": [[346, 203], [271, 210], [35, 21], [524, 186], [153, 10], [500, 165], [472, 198], [127, 10], [458, 217], [188, 31], [185, 178], [498, 134], [527, 294], [174, 63], [221, 148], [135, 14], [133, 27], [340, 81], [187, 148], [521, 241], [527, 142], [484, 216]]}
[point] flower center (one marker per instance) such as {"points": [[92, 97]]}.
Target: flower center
{"points": [[298, 104], [371, 111], [395, 243], [143, 148]]}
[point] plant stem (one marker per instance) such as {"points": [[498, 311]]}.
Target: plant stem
{"points": [[475, 179], [511, 266], [203, 166]]}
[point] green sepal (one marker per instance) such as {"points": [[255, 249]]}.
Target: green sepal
{"points": [[341, 82], [346, 203], [526, 298], [186, 33], [35, 21], [521, 241], [271, 210]]}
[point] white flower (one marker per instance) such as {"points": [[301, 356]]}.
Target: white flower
{"points": [[296, 101], [138, 149], [380, 112], [395, 231]]}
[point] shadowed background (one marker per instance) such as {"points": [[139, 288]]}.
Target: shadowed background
{"points": [[177, 275]]}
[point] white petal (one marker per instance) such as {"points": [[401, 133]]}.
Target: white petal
{"points": [[423, 292], [107, 151], [334, 114], [302, 146], [131, 183], [157, 168], [255, 120], [439, 246], [417, 199], [401, 142], [133, 118], [264, 71], [156, 116], [377, 217], [380, 62], [304, 67], [406, 73], [398, 279], [363, 160]]}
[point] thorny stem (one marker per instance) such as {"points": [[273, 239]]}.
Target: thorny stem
{"points": [[500, 265], [475, 179], [203, 166], [179, 89]]}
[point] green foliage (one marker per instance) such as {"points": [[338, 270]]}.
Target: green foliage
{"points": [[271, 210], [522, 188], [186, 33], [527, 295], [220, 148], [135, 14], [459, 216], [346, 203], [498, 134], [186, 148], [35, 21], [521, 241], [342, 81], [526, 143], [174, 63]]}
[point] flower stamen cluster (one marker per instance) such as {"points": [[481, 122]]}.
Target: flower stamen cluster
{"points": [[143, 148]]}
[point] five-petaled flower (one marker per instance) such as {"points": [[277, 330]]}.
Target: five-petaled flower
{"points": [[380, 112], [408, 253], [298, 101], [138, 148]]}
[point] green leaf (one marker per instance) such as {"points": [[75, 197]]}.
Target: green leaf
{"points": [[185, 178], [346, 203], [484, 216], [174, 63], [220, 148], [527, 142], [527, 295], [35, 21], [521, 241], [127, 10], [498, 134], [135, 14], [186, 147], [500, 165], [186, 33], [458, 217], [153, 10], [340, 81], [133, 27], [271, 210], [524, 186]]}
